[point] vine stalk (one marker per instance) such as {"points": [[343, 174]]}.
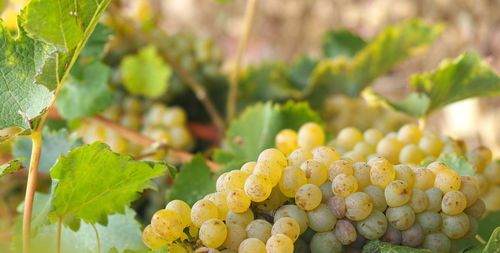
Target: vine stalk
{"points": [[97, 238], [250, 11]]}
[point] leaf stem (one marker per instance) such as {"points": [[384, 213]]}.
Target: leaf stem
{"points": [[250, 11], [36, 150], [480, 239], [59, 234], [97, 238]]}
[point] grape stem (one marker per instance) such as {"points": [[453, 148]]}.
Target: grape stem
{"points": [[97, 238], [250, 11], [59, 234], [145, 141], [480, 239]]}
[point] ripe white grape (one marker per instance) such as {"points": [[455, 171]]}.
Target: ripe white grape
{"points": [[405, 173], [424, 179], [241, 219], [258, 187], [259, 229], [326, 191], [337, 206], [372, 136], [389, 147], [237, 201], [295, 213], [397, 193], [382, 173], [434, 198], [272, 154], [213, 233], [252, 245], [364, 148], [411, 154], [429, 221], [202, 211], [308, 197], [447, 180], [348, 137], [492, 172], [437, 242], [270, 169], [291, 180], [183, 209], [473, 228], [247, 167], [470, 191], [275, 200], [344, 185], [409, 134], [362, 174], [286, 141], [286, 226], [325, 242], [373, 226], [235, 235], [167, 224], [358, 206], [477, 209], [345, 232], [392, 235], [325, 155], [401, 217], [279, 243], [152, 239], [455, 226], [453, 203], [220, 201], [479, 158], [437, 167], [378, 197], [316, 172], [418, 201], [413, 237], [430, 144], [206, 250], [321, 219], [310, 135], [298, 156], [340, 167]]}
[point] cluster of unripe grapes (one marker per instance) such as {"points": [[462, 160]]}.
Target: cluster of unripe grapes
{"points": [[166, 125], [303, 196], [339, 109]]}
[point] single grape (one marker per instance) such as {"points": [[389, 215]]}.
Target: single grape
{"points": [[235, 235], [237, 201], [430, 144], [213, 233], [248, 167], [437, 242], [411, 154], [241, 219], [206, 250], [152, 239], [372, 136], [167, 224], [286, 141], [455, 226], [447, 180], [405, 173], [429, 221], [362, 173], [345, 232], [325, 242], [337, 206], [308, 197], [220, 184], [353, 156], [310, 135], [348, 137], [477, 209], [358, 206], [325, 155], [378, 197], [418, 201], [235, 179], [326, 191], [291, 180], [389, 147], [413, 237], [275, 200], [382, 173], [259, 229], [424, 179], [279, 243], [479, 158], [492, 172], [295, 213], [270, 169], [272, 154], [392, 235], [174, 116], [316, 172], [258, 187], [473, 228], [364, 148], [252, 245], [321, 219], [437, 167], [340, 167], [373, 227], [401, 217], [286, 226], [183, 209], [410, 134], [453, 203], [298, 156], [397, 193], [434, 197], [470, 191], [344, 185]]}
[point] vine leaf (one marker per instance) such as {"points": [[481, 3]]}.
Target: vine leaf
{"points": [[10, 167], [457, 163], [193, 182], [377, 246], [145, 73], [342, 43], [94, 182], [494, 242]]}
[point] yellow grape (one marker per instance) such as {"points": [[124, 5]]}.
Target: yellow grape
{"points": [[389, 147], [270, 169], [235, 235], [167, 224], [364, 148], [340, 167], [397, 193], [275, 200], [409, 134], [183, 209], [272, 154], [470, 190], [411, 154], [237, 201], [235, 179], [424, 179], [405, 173], [372, 136], [252, 245], [348, 137], [382, 173], [344, 185], [437, 167], [479, 158], [325, 155], [358, 206], [248, 167], [206, 250], [279, 243], [219, 199], [258, 187], [213, 233], [362, 174], [286, 226], [310, 135], [298, 156], [447, 181], [177, 248], [220, 184], [286, 141], [454, 202], [152, 239], [202, 211], [308, 197], [291, 180], [353, 156], [430, 144], [316, 172]]}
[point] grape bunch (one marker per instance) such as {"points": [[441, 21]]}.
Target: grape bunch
{"points": [[410, 145], [166, 125], [303, 196]]}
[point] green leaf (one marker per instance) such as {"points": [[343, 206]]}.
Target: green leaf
{"points": [[414, 104], [21, 99], [94, 182], [493, 244], [299, 72], [486, 227], [377, 246], [146, 73], [94, 48], [193, 182], [342, 43], [54, 144], [457, 163], [86, 93], [257, 126], [10, 167]]}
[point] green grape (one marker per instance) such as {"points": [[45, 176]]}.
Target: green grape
{"points": [[378, 197], [235, 235], [270, 169], [206, 250], [348, 137], [237, 201], [275, 200], [325, 155], [308, 197], [389, 147], [437, 242], [213, 233], [310, 135], [382, 173], [344, 185], [298, 156], [492, 172], [183, 209], [397, 193], [291, 180], [295, 213], [362, 173], [411, 154], [337, 206], [279, 243], [470, 191], [326, 191], [316, 172], [252, 245], [248, 167], [373, 226], [340, 167], [447, 181], [424, 179], [258, 187], [409, 134], [413, 237], [286, 141], [477, 209], [241, 219], [152, 239], [372, 136], [353, 156], [325, 242], [167, 224], [434, 197], [345, 232], [259, 229], [358, 206], [220, 201], [479, 158], [401, 217], [429, 221], [286, 226], [274, 155], [301, 247], [321, 219], [202, 211], [174, 116], [455, 226], [430, 144], [418, 201], [473, 228], [392, 235], [364, 148], [437, 167]]}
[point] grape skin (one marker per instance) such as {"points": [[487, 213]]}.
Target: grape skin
{"points": [[337, 206], [275, 200], [291, 180], [152, 239], [411, 154], [326, 191], [382, 173], [406, 174], [409, 133], [378, 197], [167, 224], [220, 201], [308, 197], [362, 174], [286, 141], [373, 227], [348, 137], [316, 172], [401, 217], [325, 155], [413, 237], [455, 226], [206, 250], [252, 245], [470, 191], [397, 193], [429, 221], [344, 185], [372, 136], [270, 169], [447, 180], [473, 228], [295, 213], [325, 242], [279, 243], [418, 201], [241, 219], [389, 147], [437, 242], [424, 179], [392, 235], [247, 167], [286, 226], [434, 197], [238, 201], [321, 219], [235, 235], [258, 187], [274, 155], [183, 209], [358, 206], [310, 135], [340, 167], [477, 209], [298, 156], [453, 203], [213, 233], [259, 229]]}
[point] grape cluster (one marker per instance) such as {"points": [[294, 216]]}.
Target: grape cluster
{"points": [[341, 108], [166, 125], [303, 196]]}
